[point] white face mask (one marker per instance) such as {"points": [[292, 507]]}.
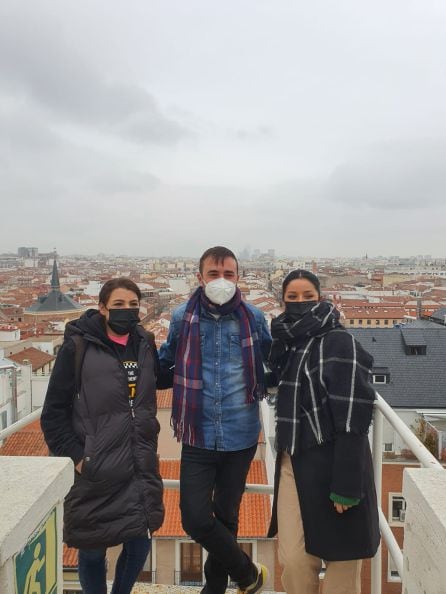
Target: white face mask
{"points": [[220, 290]]}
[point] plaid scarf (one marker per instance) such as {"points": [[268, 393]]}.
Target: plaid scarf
{"points": [[188, 381], [306, 351], [290, 332]]}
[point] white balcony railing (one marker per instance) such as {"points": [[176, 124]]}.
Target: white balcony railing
{"points": [[382, 410], [426, 459]]}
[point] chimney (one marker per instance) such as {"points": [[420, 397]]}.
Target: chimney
{"points": [[419, 308]]}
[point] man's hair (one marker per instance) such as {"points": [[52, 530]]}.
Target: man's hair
{"points": [[218, 254], [118, 283]]}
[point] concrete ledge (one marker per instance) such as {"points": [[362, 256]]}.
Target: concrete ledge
{"points": [[425, 531], [30, 488]]}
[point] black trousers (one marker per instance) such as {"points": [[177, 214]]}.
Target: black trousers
{"points": [[211, 488]]}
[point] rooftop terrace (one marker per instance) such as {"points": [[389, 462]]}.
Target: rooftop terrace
{"points": [[33, 488]]}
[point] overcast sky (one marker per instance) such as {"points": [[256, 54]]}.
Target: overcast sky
{"points": [[163, 127]]}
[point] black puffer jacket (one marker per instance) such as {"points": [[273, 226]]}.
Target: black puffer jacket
{"points": [[118, 496]]}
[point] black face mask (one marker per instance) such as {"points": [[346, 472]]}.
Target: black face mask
{"points": [[297, 309], [123, 321]]}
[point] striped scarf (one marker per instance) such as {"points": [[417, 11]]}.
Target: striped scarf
{"points": [[188, 381], [324, 379]]}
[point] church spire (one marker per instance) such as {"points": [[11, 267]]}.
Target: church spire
{"points": [[55, 283]]}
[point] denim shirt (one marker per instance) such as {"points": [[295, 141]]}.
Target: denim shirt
{"points": [[229, 422]]}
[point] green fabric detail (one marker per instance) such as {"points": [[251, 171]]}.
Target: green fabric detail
{"points": [[344, 500]]}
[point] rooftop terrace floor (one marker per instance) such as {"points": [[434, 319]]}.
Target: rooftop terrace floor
{"points": [[169, 589]]}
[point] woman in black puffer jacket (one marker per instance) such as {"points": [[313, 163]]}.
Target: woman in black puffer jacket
{"points": [[100, 410]]}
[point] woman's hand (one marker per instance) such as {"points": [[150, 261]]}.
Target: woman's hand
{"points": [[340, 508]]}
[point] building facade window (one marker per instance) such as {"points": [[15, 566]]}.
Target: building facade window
{"points": [[416, 350], [388, 447], [397, 509], [392, 572], [379, 378], [191, 564]]}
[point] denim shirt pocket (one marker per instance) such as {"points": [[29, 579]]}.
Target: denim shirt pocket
{"points": [[235, 348]]}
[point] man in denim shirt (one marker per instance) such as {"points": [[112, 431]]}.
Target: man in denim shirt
{"points": [[217, 343]]}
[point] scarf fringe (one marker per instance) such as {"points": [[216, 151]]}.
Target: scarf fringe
{"points": [[188, 434]]}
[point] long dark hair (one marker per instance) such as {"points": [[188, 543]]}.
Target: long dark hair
{"points": [[301, 273]]}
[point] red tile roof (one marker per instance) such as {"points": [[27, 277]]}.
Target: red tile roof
{"points": [[27, 442], [69, 557], [164, 398], [37, 358]]}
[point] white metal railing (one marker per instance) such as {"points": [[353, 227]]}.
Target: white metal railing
{"points": [[168, 483], [249, 488], [382, 410], [426, 459], [11, 429]]}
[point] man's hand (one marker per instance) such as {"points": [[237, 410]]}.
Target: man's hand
{"points": [[78, 466]]}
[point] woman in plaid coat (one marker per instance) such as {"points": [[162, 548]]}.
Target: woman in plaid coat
{"points": [[325, 505]]}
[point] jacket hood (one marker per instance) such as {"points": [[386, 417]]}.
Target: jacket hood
{"points": [[91, 323]]}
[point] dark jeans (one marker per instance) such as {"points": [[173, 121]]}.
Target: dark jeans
{"points": [[130, 562], [211, 489]]}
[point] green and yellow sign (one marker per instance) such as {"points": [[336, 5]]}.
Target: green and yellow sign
{"points": [[35, 566]]}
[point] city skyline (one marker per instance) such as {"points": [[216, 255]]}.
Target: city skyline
{"points": [[164, 128], [242, 253]]}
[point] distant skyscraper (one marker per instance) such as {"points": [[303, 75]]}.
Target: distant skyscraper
{"points": [[28, 252], [244, 254]]}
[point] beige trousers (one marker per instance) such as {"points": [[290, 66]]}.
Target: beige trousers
{"points": [[300, 573]]}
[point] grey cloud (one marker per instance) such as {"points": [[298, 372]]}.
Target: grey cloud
{"points": [[144, 126], [166, 127], [255, 134], [397, 175], [24, 134], [36, 62], [124, 182], [43, 167]]}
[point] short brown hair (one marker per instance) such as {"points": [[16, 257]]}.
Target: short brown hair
{"points": [[218, 254], [118, 283]]}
